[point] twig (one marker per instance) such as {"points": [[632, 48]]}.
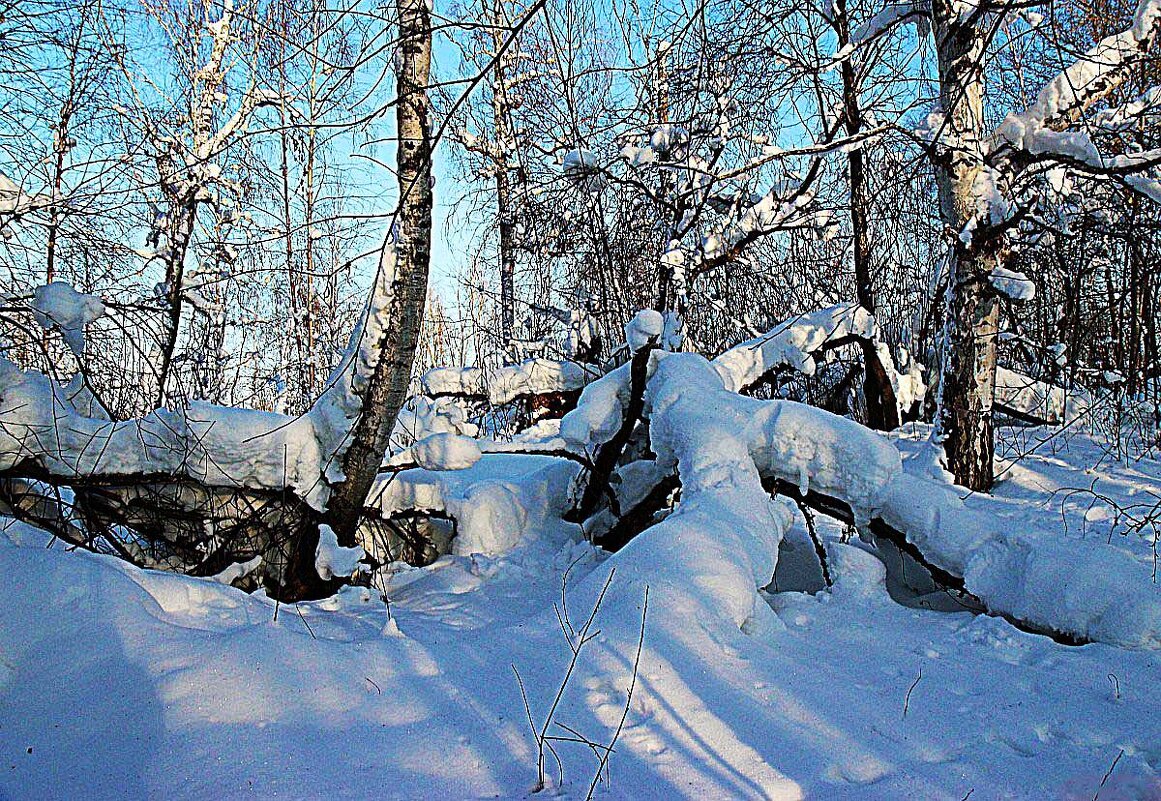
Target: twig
{"points": [[907, 698], [604, 761], [1112, 767]]}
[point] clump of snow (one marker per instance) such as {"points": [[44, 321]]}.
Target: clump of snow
{"points": [[599, 412], [446, 451], [905, 373], [58, 305], [333, 560], [1012, 284], [645, 327], [583, 168], [422, 415], [239, 570], [465, 381]]}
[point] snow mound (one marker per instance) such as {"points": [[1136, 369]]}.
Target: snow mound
{"points": [[333, 560], [446, 452]]}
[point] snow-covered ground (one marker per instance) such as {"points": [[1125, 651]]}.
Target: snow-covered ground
{"points": [[117, 683]]}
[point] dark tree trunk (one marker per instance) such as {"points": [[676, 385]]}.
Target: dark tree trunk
{"points": [[882, 406]]}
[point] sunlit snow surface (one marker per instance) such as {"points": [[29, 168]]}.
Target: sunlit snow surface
{"points": [[122, 684]]}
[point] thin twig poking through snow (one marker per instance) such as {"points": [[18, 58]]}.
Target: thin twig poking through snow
{"points": [[577, 639], [1112, 767], [603, 766]]}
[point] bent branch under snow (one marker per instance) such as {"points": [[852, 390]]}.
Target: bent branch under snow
{"points": [[722, 444]]}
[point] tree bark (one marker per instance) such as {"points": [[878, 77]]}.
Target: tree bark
{"points": [[505, 141], [387, 385], [969, 370]]}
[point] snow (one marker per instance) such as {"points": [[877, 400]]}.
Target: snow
{"points": [[1091, 590], [1038, 400], [792, 344], [1011, 284], [58, 305], [333, 414], [446, 451], [177, 687], [539, 376], [1038, 128], [599, 412], [466, 381], [645, 327], [421, 415], [497, 502], [238, 570], [331, 559], [882, 23], [220, 446]]}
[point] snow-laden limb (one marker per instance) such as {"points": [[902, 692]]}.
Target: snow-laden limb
{"points": [[532, 377], [793, 344], [14, 200], [1031, 399], [469, 382], [1092, 76], [1085, 590], [1040, 129], [58, 305], [721, 444], [721, 543], [895, 14], [599, 413], [41, 432], [537, 377], [1090, 591]]}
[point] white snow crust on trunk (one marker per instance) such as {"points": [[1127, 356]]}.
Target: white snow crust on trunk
{"points": [[334, 414]]}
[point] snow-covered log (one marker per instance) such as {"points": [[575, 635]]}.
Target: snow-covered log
{"points": [[794, 344], [721, 443], [508, 383], [42, 433], [1035, 401]]}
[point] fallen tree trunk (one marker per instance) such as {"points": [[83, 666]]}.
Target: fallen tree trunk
{"points": [[1073, 591]]}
